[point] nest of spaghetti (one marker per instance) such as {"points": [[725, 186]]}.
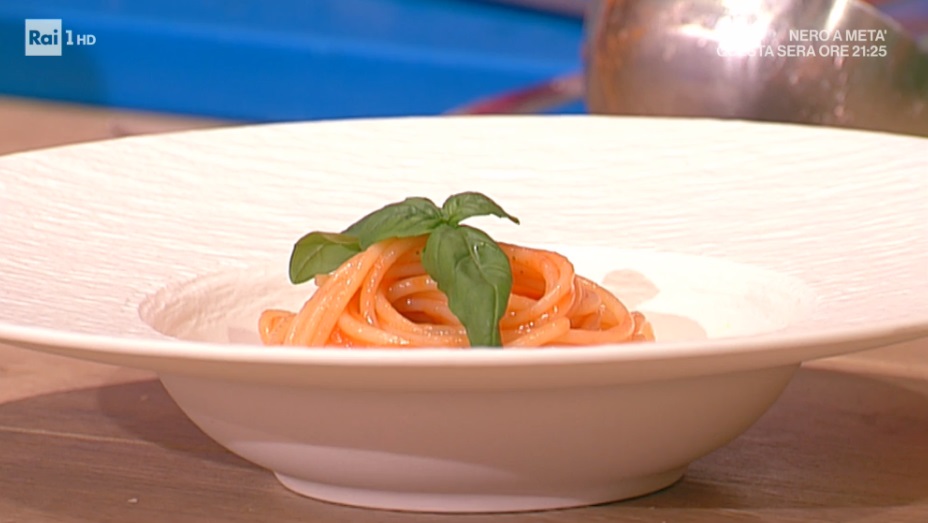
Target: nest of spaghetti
{"points": [[382, 297]]}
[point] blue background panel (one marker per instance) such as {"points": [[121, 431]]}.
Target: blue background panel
{"points": [[278, 60]]}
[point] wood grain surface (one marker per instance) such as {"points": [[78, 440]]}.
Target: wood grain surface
{"points": [[32, 124], [837, 447]]}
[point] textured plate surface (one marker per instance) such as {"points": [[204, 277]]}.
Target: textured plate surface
{"points": [[89, 231]]}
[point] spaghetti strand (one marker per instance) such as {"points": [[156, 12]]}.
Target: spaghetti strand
{"points": [[383, 297]]}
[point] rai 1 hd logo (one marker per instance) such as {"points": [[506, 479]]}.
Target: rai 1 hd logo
{"points": [[45, 37]]}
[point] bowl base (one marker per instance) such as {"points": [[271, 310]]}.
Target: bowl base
{"points": [[477, 502]]}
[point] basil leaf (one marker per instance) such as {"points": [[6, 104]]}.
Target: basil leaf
{"points": [[459, 207], [410, 217], [320, 253], [475, 275]]}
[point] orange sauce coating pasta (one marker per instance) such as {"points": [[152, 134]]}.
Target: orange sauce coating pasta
{"points": [[383, 298]]}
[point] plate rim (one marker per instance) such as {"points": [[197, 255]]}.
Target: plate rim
{"points": [[913, 328]]}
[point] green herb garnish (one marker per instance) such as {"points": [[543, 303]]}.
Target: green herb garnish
{"points": [[475, 275], [469, 267]]}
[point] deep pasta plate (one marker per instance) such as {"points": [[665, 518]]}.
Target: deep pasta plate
{"points": [[751, 247]]}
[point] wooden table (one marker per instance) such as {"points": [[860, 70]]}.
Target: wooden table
{"points": [[81, 442]]}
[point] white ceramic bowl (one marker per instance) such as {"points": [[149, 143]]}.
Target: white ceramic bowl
{"points": [[451, 434], [753, 247]]}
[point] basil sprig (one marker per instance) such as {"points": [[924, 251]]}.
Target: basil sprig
{"points": [[320, 253], [474, 273], [410, 217], [469, 267]]}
